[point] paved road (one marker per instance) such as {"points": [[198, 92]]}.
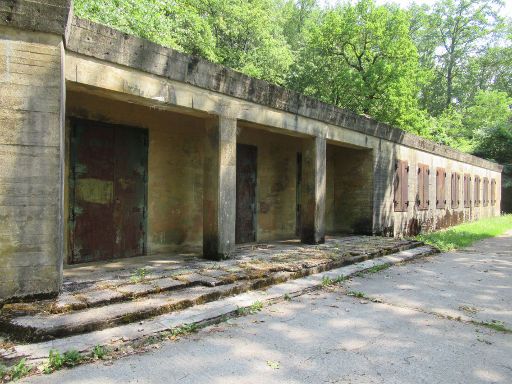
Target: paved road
{"points": [[412, 336]]}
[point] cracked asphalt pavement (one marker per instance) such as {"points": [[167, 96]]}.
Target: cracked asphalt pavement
{"points": [[428, 323]]}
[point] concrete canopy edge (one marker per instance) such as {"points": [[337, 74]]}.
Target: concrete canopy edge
{"points": [[104, 43]]}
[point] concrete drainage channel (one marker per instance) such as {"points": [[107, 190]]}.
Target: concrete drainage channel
{"points": [[204, 310]]}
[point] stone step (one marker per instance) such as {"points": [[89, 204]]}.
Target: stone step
{"points": [[47, 326], [114, 293]]}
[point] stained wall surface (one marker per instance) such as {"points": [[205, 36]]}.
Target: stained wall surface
{"points": [[30, 188]]}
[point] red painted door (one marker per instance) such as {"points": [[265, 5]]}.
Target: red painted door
{"points": [[108, 184], [246, 166]]}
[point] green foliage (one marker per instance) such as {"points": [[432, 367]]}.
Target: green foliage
{"points": [[327, 281], [246, 36], [466, 234], [56, 360], [361, 57], [185, 329], [441, 70], [250, 310], [495, 325], [358, 294], [99, 352], [138, 275], [377, 268], [19, 370]]}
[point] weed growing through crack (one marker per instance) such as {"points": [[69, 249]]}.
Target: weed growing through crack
{"points": [[15, 372], [99, 352], [327, 281], [495, 325], [250, 310], [19, 370], [287, 297], [56, 360], [359, 295], [183, 330], [138, 275], [377, 268]]}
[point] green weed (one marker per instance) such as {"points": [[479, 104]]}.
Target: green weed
{"points": [[327, 281], [19, 370], [185, 329], [495, 325], [138, 275], [56, 360], [250, 310], [377, 268], [99, 352], [359, 295]]}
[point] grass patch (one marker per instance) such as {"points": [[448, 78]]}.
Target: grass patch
{"points": [[464, 235]]}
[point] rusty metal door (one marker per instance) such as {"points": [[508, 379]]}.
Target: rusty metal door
{"points": [[298, 195], [246, 168], [108, 191]]}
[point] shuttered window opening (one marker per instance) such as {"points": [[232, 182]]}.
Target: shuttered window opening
{"points": [[455, 189], [440, 188], [401, 186], [486, 192], [467, 190], [422, 198], [493, 192], [476, 194]]}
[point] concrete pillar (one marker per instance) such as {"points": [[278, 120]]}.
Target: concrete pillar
{"points": [[219, 195], [313, 190], [31, 147]]}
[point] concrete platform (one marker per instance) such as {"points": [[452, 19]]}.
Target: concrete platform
{"points": [[103, 295]]}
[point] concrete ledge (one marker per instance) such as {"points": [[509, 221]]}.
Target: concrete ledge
{"points": [[104, 43], [35, 15]]}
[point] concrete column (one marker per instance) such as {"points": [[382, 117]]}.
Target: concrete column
{"points": [[313, 190], [31, 147], [219, 195]]}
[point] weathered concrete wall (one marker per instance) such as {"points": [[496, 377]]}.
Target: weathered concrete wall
{"points": [[349, 204], [276, 182], [413, 220], [175, 167], [30, 138]]}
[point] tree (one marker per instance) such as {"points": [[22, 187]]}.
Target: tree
{"points": [[448, 36], [361, 57], [246, 36]]}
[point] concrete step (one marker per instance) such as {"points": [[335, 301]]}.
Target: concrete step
{"points": [[144, 302]]}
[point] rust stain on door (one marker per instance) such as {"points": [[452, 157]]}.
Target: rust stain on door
{"points": [[108, 191]]}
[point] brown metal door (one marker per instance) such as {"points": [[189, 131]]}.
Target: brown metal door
{"points": [[107, 191], [246, 167], [130, 179]]}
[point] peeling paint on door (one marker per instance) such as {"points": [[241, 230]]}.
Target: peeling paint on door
{"points": [[95, 191]]}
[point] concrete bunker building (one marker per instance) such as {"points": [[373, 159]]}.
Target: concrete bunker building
{"points": [[112, 146]]}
